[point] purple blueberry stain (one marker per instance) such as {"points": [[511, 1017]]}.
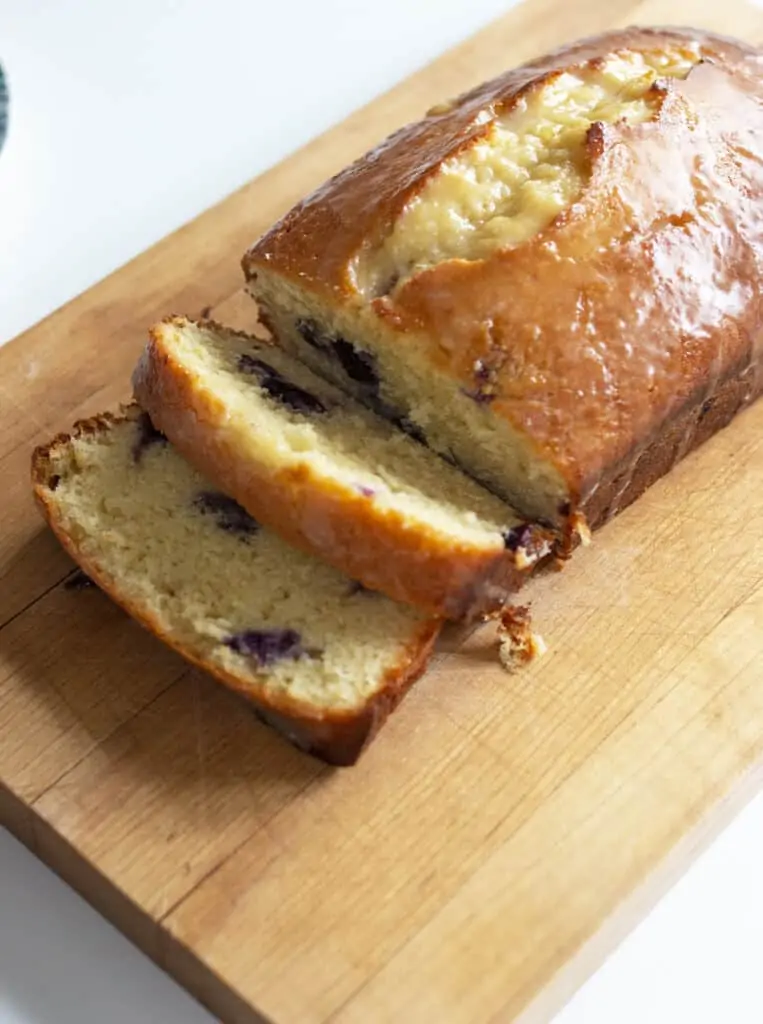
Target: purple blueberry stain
{"points": [[267, 646], [518, 537], [365, 490], [278, 387], [312, 334], [359, 365], [148, 436], [229, 515]]}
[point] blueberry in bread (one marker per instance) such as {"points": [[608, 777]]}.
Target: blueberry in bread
{"points": [[555, 278], [320, 660], [330, 476]]}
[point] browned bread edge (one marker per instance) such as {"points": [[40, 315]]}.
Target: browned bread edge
{"points": [[414, 566], [337, 738]]}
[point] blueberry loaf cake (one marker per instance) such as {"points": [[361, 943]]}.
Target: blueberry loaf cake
{"points": [[555, 278], [321, 659], [331, 477]]}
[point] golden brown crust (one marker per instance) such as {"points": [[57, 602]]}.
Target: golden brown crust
{"points": [[337, 737], [379, 548], [645, 292]]}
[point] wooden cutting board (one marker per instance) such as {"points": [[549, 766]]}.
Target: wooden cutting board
{"points": [[503, 831]]}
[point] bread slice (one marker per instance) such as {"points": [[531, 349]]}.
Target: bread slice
{"points": [[320, 659], [556, 276], [331, 477]]}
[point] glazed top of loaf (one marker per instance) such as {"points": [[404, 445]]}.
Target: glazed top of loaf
{"points": [[577, 242]]}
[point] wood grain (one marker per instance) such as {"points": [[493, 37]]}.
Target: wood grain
{"points": [[503, 831]]}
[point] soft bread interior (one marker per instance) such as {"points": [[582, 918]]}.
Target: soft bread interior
{"points": [[338, 439], [209, 578], [408, 388]]}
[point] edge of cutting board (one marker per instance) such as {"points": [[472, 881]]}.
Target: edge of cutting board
{"points": [[132, 297]]}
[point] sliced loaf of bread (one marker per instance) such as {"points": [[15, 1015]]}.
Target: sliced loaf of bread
{"points": [[556, 275], [331, 477], [321, 659]]}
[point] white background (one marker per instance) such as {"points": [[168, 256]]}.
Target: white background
{"points": [[127, 119]]}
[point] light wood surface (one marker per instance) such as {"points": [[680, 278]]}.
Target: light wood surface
{"points": [[503, 831]]}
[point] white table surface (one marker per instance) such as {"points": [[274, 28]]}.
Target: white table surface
{"points": [[104, 96]]}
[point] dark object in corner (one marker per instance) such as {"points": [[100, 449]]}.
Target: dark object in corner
{"points": [[148, 436], [78, 580], [3, 107]]}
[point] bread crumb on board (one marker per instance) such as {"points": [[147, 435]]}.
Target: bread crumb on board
{"points": [[518, 643]]}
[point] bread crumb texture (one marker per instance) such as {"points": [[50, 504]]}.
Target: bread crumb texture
{"points": [[213, 581], [284, 417], [518, 644]]}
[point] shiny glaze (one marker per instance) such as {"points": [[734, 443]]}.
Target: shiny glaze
{"points": [[636, 302]]}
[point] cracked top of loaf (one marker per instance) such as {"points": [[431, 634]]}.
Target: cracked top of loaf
{"points": [[582, 233]]}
